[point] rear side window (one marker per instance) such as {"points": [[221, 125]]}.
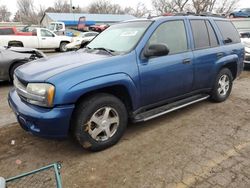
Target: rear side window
{"points": [[172, 34], [228, 32], [8, 31], [200, 34], [212, 36]]}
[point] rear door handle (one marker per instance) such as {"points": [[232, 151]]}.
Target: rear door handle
{"points": [[43, 38], [186, 61], [220, 55]]}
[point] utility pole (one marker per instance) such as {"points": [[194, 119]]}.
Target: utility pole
{"points": [[70, 6]]}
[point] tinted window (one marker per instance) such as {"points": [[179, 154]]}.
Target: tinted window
{"points": [[228, 32], [200, 34], [172, 34], [7, 31], [212, 36]]}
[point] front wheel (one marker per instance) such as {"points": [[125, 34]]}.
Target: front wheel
{"points": [[99, 121], [63, 46], [222, 86]]}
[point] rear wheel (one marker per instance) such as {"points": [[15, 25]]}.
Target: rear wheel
{"points": [[222, 86], [99, 121], [63, 46]]}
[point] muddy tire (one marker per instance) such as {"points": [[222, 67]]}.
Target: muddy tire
{"points": [[99, 121], [222, 86]]}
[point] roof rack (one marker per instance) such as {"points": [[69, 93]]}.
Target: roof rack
{"points": [[208, 14]]}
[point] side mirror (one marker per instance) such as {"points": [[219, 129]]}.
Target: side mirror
{"points": [[156, 50]]}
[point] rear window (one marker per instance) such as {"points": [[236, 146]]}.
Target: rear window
{"points": [[228, 32], [7, 31]]}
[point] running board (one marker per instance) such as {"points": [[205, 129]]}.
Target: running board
{"points": [[162, 110]]}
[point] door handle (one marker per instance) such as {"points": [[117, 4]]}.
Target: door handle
{"points": [[186, 61], [43, 38], [220, 55], [234, 51]]}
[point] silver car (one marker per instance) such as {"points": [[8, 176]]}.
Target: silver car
{"points": [[13, 57]]}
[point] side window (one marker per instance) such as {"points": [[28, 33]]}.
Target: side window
{"points": [[212, 36], [228, 32], [172, 34], [45, 33], [200, 34]]}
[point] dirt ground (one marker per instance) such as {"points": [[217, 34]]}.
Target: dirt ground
{"points": [[203, 145]]}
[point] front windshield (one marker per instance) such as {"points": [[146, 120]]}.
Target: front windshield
{"points": [[120, 38], [242, 24]]}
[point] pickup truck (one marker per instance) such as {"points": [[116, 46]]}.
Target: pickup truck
{"points": [[135, 70], [41, 39], [13, 31]]}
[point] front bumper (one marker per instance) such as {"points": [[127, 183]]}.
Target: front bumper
{"points": [[44, 122]]}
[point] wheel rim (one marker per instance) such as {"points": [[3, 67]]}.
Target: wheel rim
{"points": [[224, 84], [103, 124], [64, 47]]}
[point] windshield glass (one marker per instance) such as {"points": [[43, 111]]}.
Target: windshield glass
{"points": [[120, 38], [242, 24]]}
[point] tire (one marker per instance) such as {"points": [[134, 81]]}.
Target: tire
{"points": [[92, 127], [63, 47], [231, 16], [15, 44], [221, 92], [13, 68]]}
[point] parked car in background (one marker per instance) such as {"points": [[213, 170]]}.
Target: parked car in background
{"points": [[98, 28], [81, 40], [13, 31], [41, 39], [135, 70], [243, 27], [242, 13], [13, 57]]}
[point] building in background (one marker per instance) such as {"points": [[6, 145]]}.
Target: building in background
{"points": [[72, 19]]}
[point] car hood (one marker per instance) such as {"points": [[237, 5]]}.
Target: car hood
{"points": [[43, 69]]}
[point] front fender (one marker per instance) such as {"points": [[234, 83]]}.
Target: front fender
{"points": [[78, 90]]}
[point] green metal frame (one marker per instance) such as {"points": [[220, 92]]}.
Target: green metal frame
{"points": [[56, 166]]}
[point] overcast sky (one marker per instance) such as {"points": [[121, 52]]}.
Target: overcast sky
{"points": [[11, 4]]}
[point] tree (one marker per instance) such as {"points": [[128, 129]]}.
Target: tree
{"points": [[164, 6], [226, 6], [4, 14], [26, 12], [104, 7], [62, 6]]}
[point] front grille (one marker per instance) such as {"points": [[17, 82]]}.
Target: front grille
{"points": [[20, 88]]}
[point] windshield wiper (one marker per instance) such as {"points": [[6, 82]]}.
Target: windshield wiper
{"points": [[105, 49]]}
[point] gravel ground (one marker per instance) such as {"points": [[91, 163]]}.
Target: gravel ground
{"points": [[203, 145]]}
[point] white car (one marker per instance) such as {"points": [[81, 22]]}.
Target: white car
{"points": [[79, 41], [40, 39]]}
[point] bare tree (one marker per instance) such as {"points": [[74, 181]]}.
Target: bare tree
{"points": [[4, 14], [164, 6], [62, 6], [139, 11], [104, 7], [226, 6], [26, 12]]}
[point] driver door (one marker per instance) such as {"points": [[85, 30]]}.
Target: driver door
{"points": [[171, 75], [48, 39]]}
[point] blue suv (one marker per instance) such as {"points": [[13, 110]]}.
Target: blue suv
{"points": [[135, 70]]}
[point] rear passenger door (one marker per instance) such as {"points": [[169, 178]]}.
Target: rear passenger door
{"points": [[206, 51]]}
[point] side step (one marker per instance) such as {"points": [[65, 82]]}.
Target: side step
{"points": [[156, 112]]}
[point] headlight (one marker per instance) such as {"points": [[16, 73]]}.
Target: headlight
{"points": [[41, 94]]}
